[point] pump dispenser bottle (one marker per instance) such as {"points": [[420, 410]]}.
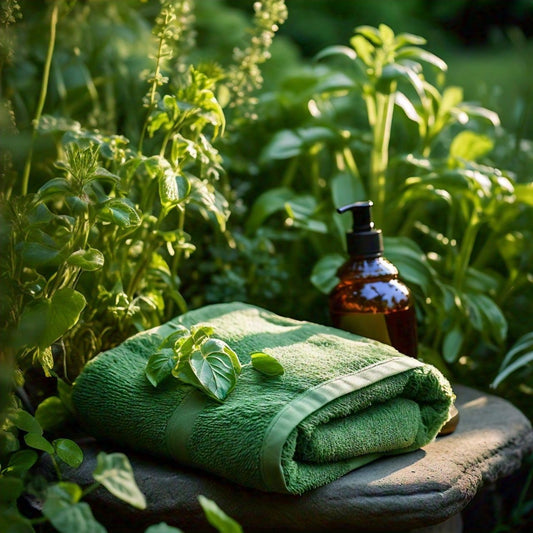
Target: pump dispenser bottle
{"points": [[369, 299]]}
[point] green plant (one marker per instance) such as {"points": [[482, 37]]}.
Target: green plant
{"points": [[379, 124], [206, 363], [60, 501], [106, 196]]}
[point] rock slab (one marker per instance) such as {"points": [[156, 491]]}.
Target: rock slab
{"points": [[394, 494]]}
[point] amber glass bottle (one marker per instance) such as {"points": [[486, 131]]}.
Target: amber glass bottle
{"points": [[369, 299]]}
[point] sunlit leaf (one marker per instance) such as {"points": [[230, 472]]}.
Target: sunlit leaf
{"points": [[470, 145], [340, 50], [363, 48], [119, 211], [114, 472], [419, 54], [371, 33], [89, 259], [408, 108], [217, 517], [215, 371], [266, 364]]}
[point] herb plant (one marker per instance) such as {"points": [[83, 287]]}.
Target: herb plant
{"points": [[195, 358], [376, 121]]}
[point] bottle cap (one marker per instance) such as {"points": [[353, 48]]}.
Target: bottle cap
{"points": [[364, 239]]}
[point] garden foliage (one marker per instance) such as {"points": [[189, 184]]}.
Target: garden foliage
{"points": [[145, 169]]}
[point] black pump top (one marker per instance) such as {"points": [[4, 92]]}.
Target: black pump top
{"points": [[364, 239]]}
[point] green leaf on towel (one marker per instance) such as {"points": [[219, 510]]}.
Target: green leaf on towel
{"points": [[266, 364], [114, 472], [214, 369], [160, 366], [208, 364]]}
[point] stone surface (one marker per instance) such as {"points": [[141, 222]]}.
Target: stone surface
{"points": [[393, 494]]}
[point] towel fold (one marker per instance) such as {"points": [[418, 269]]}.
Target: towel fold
{"points": [[342, 402]]}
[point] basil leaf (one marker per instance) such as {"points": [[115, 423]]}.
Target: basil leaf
{"points": [[160, 366], [267, 364], [215, 371]]}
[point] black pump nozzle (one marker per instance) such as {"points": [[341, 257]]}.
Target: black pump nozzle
{"points": [[363, 240]]}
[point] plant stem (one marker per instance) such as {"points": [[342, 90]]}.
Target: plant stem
{"points": [[42, 96], [379, 157], [465, 252], [153, 89]]}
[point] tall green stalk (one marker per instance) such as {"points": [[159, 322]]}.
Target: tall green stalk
{"points": [[465, 252], [42, 96], [379, 156]]}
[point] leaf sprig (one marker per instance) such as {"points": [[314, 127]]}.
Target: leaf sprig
{"points": [[196, 358]]}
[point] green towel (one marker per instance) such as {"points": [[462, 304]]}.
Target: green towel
{"points": [[342, 402]]}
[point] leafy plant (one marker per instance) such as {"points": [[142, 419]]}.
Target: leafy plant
{"points": [[60, 501], [208, 364], [380, 124]]}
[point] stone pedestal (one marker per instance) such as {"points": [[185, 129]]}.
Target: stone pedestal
{"points": [[423, 491]]}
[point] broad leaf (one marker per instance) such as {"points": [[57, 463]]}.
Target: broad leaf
{"points": [[48, 319], [324, 274], [470, 146], [159, 366], [201, 332], [53, 188], [267, 204], [329, 51], [346, 189], [284, 145], [215, 371], [36, 254], [33, 440], [67, 517], [20, 462], [217, 345], [119, 211], [24, 421], [89, 259], [266, 364], [173, 188], [452, 344], [68, 451], [114, 472], [217, 517], [52, 413]]}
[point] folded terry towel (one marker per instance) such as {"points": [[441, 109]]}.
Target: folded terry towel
{"points": [[342, 402]]}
